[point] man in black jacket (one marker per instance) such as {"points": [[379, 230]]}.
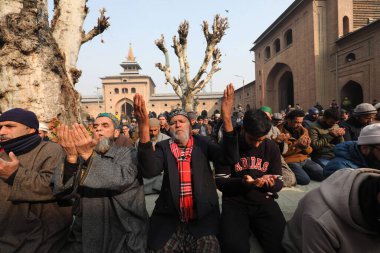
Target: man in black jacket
{"points": [[186, 215], [249, 188]]}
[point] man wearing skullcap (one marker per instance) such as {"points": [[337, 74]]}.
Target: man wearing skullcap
{"points": [[31, 220]]}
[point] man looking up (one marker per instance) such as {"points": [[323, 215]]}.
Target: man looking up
{"points": [[164, 126], [186, 215], [110, 214], [30, 218]]}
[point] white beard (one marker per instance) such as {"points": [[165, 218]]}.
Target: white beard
{"points": [[104, 145]]}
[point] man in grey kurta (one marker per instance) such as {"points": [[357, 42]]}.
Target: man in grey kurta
{"points": [[31, 220], [110, 214]]}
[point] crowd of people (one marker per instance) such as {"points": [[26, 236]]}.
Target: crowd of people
{"points": [[83, 190]]}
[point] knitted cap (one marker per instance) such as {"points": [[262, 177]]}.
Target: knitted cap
{"points": [[22, 116], [192, 115], [266, 109], [43, 127], [377, 106], [370, 135], [112, 117], [364, 108], [277, 116], [153, 122]]}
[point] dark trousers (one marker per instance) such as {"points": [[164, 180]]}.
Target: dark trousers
{"points": [[265, 221], [307, 170]]}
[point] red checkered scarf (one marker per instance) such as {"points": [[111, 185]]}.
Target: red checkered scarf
{"points": [[183, 158]]}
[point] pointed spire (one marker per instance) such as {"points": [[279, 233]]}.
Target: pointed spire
{"points": [[131, 57]]}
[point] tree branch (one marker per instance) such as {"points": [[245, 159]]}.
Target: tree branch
{"points": [[102, 25], [214, 69], [219, 27], [183, 31]]}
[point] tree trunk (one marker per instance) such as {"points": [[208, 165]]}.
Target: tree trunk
{"points": [[188, 102]]}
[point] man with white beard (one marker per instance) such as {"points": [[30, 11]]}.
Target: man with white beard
{"points": [[186, 215], [110, 212]]}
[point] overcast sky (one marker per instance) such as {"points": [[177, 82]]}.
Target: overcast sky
{"points": [[143, 21]]}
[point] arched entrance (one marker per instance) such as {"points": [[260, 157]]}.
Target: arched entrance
{"points": [[280, 87], [127, 109], [353, 91], [285, 90]]}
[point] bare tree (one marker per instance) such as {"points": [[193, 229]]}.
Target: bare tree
{"points": [[38, 60], [185, 87]]}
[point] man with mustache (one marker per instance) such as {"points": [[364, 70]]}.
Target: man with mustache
{"points": [[110, 214], [31, 220], [186, 215]]}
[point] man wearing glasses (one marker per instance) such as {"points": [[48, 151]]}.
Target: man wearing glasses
{"points": [[364, 153]]}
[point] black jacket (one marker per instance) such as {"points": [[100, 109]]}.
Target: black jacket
{"points": [[165, 217]]}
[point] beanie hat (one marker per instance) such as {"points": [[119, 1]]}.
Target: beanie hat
{"points": [[22, 116], [266, 109], [153, 122], [377, 106], [217, 115], [112, 117], [364, 108], [43, 127], [192, 115], [370, 135], [277, 116]]}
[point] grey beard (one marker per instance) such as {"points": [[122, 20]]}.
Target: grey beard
{"points": [[153, 138], [104, 145], [181, 138]]}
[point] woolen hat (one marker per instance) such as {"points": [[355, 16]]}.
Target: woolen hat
{"points": [[153, 122], [192, 115], [370, 135], [266, 109], [377, 106], [22, 116], [277, 116], [364, 108], [112, 117], [43, 127]]}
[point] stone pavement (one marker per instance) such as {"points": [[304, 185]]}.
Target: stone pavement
{"points": [[288, 200]]}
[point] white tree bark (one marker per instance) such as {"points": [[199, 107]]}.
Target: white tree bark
{"points": [[37, 62], [185, 87]]}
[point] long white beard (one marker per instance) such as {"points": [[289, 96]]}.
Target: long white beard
{"points": [[104, 145]]}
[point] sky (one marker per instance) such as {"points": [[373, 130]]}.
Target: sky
{"points": [[141, 22]]}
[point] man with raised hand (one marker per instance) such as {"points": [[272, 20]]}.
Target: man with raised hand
{"points": [[110, 213], [186, 215], [31, 220]]}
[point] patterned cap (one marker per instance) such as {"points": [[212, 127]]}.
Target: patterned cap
{"points": [[112, 117], [178, 111]]}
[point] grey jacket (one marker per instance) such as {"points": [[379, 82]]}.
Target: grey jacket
{"points": [[328, 219], [111, 215]]}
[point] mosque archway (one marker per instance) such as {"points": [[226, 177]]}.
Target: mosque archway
{"points": [[353, 91]]}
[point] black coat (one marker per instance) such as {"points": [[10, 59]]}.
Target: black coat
{"points": [[165, 217]]}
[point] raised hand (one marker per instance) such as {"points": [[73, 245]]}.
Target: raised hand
{"points": [[142, 118], [227, 104], [8, 168], [66, 141], [83, 141]]}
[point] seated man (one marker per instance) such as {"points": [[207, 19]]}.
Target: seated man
{"points": [[342, 215], [362, 116], [186, 215], [299, 149], [324, 135], [311, 117], [363, 153], [250, 188], [110, 214], [31, 220]]}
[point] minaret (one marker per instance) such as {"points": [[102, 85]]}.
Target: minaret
{"points": [[131, 67]]}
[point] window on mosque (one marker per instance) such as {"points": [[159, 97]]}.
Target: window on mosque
{"points": [[116, 90], [289, 37], [124, 90], [204, 103], [350, 57], [267, 52], [133, 90], [165, 104], [277, 45], [152, 105]]}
